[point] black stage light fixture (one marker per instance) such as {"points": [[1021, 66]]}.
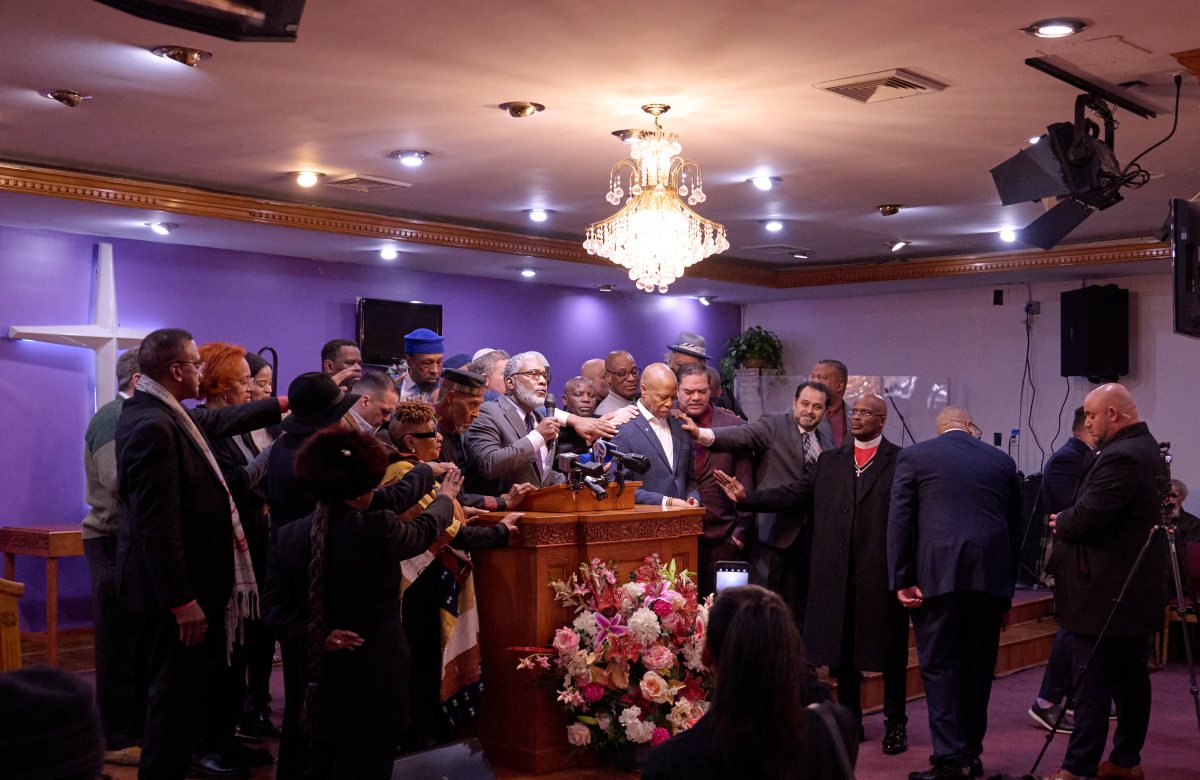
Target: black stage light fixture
{"points": [[235, 20]]}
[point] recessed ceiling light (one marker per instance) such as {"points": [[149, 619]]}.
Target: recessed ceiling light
{"points": [[184, 55], [898, 245], [628, 136], [1033, 139], [68, 97], [306, 178], [389, 253], [606, 287], [538, 215], [528, 273], [773, 225], [764, 183], [1008, 235], [519, 109], [162, 228], [803, 254], [410, 158], [706, 300], [1055, 28]]}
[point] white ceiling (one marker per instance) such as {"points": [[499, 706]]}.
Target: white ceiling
{"points": [[370, 76]]}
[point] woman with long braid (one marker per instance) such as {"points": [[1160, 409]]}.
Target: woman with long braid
{"points": [[334, 579]]}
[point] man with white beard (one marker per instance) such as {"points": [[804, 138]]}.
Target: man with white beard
{"points": [[511, 441]]}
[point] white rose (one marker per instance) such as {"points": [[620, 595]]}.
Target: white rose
{"points": [[578, 734]]}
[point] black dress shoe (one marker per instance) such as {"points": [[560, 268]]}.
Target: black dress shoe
{"points": [[895, 738], [213, 766], [255, 726]]}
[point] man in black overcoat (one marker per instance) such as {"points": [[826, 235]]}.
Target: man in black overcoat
{"points": [[954, 531], [1098, 540], [854, 622], [176, 553]]}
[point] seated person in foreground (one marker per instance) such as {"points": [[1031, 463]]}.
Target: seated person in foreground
{"points": [[764, 721]]}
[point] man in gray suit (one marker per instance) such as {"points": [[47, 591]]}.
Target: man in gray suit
{"points": [[786, 447], [511, 441], [671, 480]]}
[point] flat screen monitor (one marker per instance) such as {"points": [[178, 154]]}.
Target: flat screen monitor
{"points": [[1185, 235], [235, 20], [382, 325]]}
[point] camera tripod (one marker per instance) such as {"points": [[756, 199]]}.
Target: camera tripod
{"points": [[1166, 525]]}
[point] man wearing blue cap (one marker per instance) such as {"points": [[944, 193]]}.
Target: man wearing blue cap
{"points": [[424, 353]]}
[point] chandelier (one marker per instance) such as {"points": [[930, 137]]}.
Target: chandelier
{"points": [[655, 235]]}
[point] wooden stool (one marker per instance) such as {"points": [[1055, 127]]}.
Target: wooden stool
{"points": [[50, 542]]}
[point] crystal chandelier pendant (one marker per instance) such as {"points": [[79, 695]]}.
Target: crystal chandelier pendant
{"points": [[655, 234]]}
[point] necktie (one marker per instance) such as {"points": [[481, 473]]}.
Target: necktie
{"points": [[530, 424], [811, 450]]}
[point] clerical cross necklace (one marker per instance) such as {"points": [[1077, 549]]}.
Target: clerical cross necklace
{"points": [[858, 470]]}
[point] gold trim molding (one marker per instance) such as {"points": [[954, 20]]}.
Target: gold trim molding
{"points": [[177, 199]]}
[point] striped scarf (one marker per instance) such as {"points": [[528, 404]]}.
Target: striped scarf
{"points": [[243, 602]]}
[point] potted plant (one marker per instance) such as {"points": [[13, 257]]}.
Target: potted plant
{"points": [[756, 347]]}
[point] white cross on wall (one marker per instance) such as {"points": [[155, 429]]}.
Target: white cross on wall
{"points": [[104, 336]]}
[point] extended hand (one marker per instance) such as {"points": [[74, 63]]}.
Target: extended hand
{"points": [[438, 468], [192, 624], [340, 377], [732, 487], [689, 424], [452, 482], [509, 521], [516, 494], [341, 639], [622, 415], [471, 512], [592, 428], [911, 597]]}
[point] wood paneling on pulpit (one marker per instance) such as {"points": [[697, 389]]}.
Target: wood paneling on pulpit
{"points": [[521, 724]]}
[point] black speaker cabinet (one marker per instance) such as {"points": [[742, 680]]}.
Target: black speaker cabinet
{"points": [[1095, 332]]}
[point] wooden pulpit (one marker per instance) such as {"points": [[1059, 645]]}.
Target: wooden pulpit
{"points": [[521, 724]]}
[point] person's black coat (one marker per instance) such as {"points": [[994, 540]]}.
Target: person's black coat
{"points": [[1061, 475], [1099, 537], [845, 517], [176, 544], [364, 691]]}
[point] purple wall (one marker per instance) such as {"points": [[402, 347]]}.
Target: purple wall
{"points": [[292, 304]]}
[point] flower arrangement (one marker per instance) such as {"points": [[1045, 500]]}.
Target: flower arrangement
{"points": [[628, 667]]}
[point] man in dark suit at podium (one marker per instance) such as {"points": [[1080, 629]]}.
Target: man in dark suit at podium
{"points": [[953, 538], [671, 480]]}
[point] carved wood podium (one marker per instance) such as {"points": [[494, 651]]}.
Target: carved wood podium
{"points": [[521, 724]]}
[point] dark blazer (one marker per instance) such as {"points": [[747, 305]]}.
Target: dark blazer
{"points": [[825, 429], [721, 516], [1099, 537], [498, 454], [177, 544], [779, 457], [1061, 475], [663, 479], [955, 519], [849, 520]]}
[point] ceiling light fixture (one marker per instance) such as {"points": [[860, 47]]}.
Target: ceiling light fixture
{"points": [[655, 235], [706, 300], [528, 273], [1033, 139], [764, 183], [162, 228], [606, 287], [890, 209], [538, 215], [410, 158], [898, 245], [184, 55], [68, 97], [1008, 235], [388, 253], [306, 178], [628, 136], [804, 254], [772, 225], [1055, 28], [519, 109]]}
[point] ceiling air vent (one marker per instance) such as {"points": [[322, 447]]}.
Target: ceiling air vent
{"points": [[885, 85], [778, 249], [360, 183]]}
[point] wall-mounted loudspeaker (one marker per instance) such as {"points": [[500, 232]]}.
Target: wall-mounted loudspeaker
{"points": [[1095, 332]]}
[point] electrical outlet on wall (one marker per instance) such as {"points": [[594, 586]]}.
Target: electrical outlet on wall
{"points": [[1033, 308]]}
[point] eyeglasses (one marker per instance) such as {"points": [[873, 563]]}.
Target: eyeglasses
{"points": [[973, 429], [534, 375], [625, 372], [864, 413], [199, 364]]}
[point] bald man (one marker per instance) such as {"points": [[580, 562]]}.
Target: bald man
{"points": [[655, 433], [953, 537], [853, 622], [593, 371], [1097, 541], [621, 372]]}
